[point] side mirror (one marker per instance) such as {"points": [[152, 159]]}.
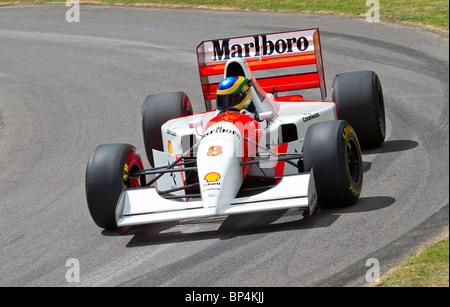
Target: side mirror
{"points": [[195, 123], [265, 115]]}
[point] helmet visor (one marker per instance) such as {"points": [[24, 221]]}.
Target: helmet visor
{"points": [[229, 100]]}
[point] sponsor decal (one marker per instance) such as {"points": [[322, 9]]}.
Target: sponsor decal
{"points": [[258, 45], [214, 151], [381, 128], [310, 116], [212, 186], [212, 177], [223, 130], [125, 176], [170, 147], [353, 191], [171, 132], [347, 130], [313, 200]]}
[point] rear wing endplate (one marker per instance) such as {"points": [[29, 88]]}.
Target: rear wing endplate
{"points": [[265, 52]]}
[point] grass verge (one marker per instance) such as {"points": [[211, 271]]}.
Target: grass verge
{"points": [[429, 267]]}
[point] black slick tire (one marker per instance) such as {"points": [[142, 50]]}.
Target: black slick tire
{"points": [[332, 150], [107, 175], [359, 101], [156, 111]]}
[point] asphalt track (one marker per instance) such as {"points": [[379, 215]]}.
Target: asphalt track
{"points": [[67, 87]]}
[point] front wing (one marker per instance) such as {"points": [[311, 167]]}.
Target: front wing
{"points": [[145, 206]]}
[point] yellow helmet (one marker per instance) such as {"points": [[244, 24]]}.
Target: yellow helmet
{"points": [[233, 93]]}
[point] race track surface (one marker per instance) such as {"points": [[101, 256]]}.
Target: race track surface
{"points": [[67, 87]]}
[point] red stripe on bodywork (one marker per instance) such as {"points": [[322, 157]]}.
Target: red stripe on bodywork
{"points": [[279, 165], [249, 129]]}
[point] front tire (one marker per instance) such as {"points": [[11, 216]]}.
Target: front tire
{"points": [[332, 150], [156, 111], [107, 174]]}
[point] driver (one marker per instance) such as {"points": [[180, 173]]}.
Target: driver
{"points": [[234, 94]]}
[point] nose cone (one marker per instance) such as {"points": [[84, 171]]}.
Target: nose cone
{"points": [[218, 162]]}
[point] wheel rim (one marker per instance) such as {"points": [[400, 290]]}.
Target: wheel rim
{"points": [[133, 163], [353, 162], [382, 114]]}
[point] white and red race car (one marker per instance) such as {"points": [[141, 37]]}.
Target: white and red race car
{"points": [[289, 153]]}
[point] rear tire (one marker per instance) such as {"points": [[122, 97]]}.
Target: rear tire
{"points": [[359, 101], [332, 150], [156, 111], [107, 175]]}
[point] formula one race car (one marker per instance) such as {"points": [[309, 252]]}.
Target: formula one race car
{"points": [[252, 150]]}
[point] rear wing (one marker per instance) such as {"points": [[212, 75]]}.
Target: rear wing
{"points": [[265, 52]]}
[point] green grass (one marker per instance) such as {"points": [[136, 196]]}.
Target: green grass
{"points": [[429, 268], [433, 14]]}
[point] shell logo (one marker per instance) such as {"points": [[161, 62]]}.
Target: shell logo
{"points": [[212, 177]]}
